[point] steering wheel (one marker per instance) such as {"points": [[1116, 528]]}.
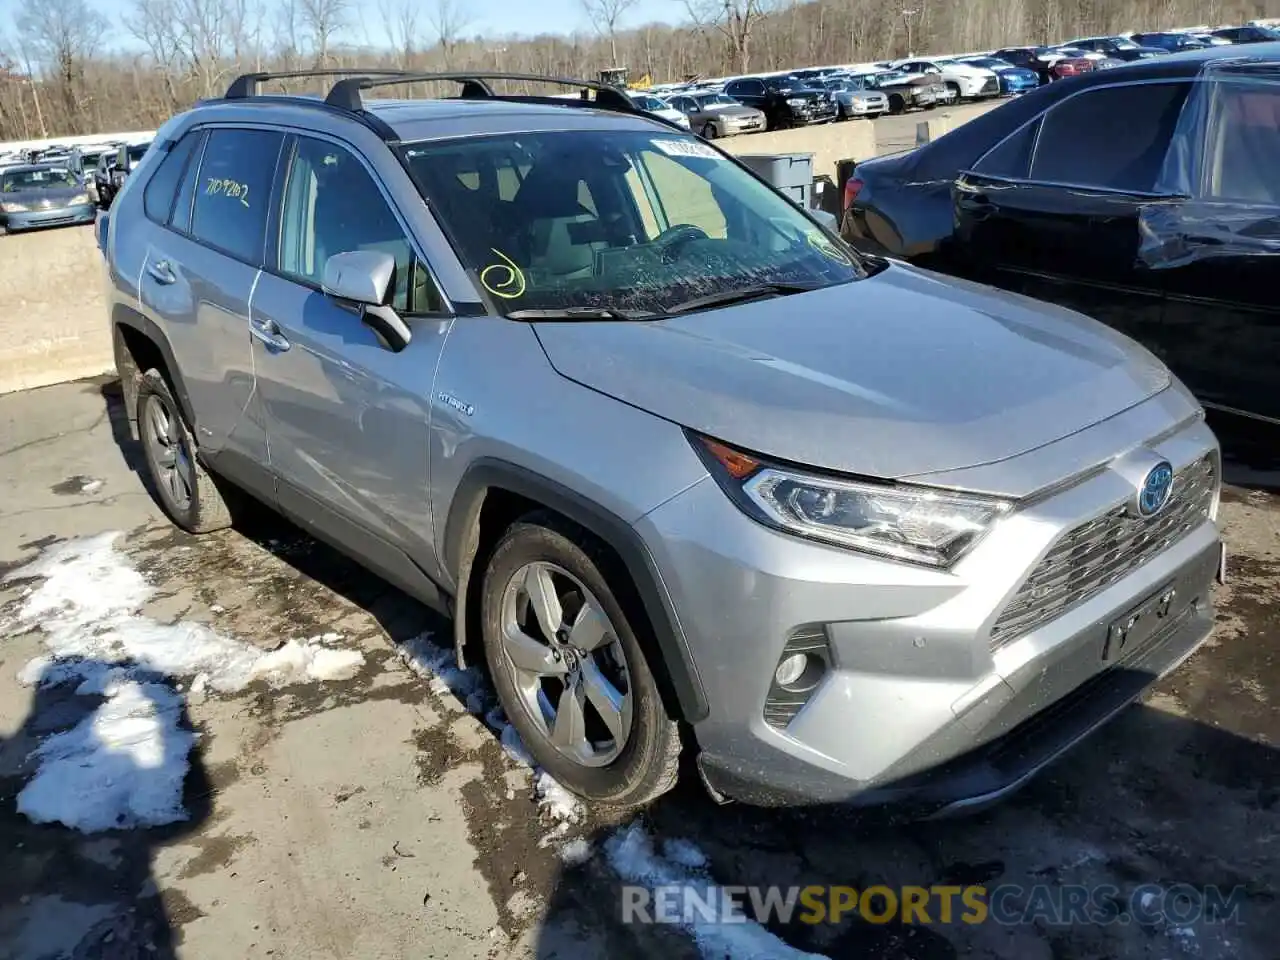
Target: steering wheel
{"points": [[670, 240]]}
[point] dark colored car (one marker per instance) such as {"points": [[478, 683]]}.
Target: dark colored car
{"points": [[1047, 63], [1247, 34], [1118, 48], [1147, 197], [905, 91], [43, 195], [1173, 42], [786, 101], [127, 157]]}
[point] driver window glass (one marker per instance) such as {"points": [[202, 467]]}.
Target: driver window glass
{"points": [[332, 205], [687, 198]]}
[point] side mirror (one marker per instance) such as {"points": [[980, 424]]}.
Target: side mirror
{"points": [[363, 278]]}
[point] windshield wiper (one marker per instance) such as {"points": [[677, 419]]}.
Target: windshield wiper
{"points": [[740, 295], [579, 313]]}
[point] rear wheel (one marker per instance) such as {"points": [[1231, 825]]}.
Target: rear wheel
{"points": [[568, 668], [954, 90], [186, 491], [897, 104]]}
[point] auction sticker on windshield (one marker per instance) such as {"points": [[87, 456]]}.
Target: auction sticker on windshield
{"points": [[685, 148]]}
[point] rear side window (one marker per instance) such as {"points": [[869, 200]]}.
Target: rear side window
{"points": [[1012, 158], [157, 199], [1115, 137], [232, 192], [1243, 144]]}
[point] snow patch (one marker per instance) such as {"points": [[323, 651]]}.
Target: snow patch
{"points": [[124, 764], [575, 852], [87, 607], [630, 853], [555, 799], [684, 852], [439, 665], [120, 767]]}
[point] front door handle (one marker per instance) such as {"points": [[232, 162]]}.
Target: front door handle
{"points": [[269, 333], [161, 272]]}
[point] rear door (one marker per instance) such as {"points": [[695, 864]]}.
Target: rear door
{"points": [[199, 274], [1223, 250], [1053, 210], [348, 419]]}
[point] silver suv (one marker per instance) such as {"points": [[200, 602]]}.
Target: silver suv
{"points": [[685, 470]]}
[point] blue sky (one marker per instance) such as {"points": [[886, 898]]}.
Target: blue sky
{"points": [[495, 18]]}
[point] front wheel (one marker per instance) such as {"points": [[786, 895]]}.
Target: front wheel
{"points": [[709, 131], [568, 667], [897, 105]]}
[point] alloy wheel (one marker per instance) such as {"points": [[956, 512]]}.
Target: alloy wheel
{"points": [[567, 664], [169, 452]]}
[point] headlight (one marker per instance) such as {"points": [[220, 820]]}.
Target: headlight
{"points": [[14, 207], [80, 198], [917, 524], [796, 102]]}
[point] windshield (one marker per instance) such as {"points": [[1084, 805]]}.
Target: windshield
{"points": [[617, 220], [716, 99], [650, 103], [40, 178], [1122, 43], [987, 62]]}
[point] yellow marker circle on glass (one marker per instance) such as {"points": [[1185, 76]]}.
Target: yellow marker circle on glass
{"points": [[508, 283]]}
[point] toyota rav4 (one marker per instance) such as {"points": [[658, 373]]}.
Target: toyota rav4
{"points": [[686, 471]]}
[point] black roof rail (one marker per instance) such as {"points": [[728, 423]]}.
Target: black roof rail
{"points": [[346, 92], [248, 84]]}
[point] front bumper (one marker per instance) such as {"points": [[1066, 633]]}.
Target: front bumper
{"points": [[1016, 84], [53, 217], [864, 107], [919, 707], [731, 126], [815, 113]]}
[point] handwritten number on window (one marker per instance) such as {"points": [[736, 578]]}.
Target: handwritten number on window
{"points": [[221, 187]]}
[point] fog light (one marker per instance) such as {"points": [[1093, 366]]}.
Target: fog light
{"points": [[791, 669]]}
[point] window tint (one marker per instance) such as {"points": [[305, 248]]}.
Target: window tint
{"points": [[332, 205], [157, 199], [1114, 137], [1243, 143], [1012, 158], [180, 219], [233, 191]]}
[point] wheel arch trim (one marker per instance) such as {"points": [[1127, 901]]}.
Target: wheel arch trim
{"points": [[461, 539]]}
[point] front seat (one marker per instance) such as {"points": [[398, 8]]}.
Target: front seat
{"points": [[560, 235]]}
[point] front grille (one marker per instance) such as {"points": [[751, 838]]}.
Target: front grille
{"points": [[1100, 552], [991, 85]]}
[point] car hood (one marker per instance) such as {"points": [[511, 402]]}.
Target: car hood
{"points": [[730, 110], [54, 195], [900, 374], [966, 70]]}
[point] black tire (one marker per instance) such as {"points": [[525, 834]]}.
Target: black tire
{"points": [[897, 105], [708, 131], [955, 89], [648, 763], [205, 508]]}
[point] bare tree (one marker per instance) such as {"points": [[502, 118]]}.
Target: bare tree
{"points": [[605, 15], [450, 19], [63, 34], [735, 19], [403, 28], [322, 19]]}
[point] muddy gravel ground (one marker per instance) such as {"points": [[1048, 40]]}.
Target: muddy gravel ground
{"points": [[373, 811]]}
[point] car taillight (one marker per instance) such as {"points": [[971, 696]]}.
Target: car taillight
{"points": [[852, 187]]}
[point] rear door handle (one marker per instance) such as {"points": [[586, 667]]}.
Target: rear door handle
{"points": [[161, 272], [269, 333]]}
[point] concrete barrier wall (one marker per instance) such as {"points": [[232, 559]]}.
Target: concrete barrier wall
{"points": [[829, 143], [54, 325]]}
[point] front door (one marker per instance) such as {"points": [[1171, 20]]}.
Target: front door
{"points": [[1053, 212], [348, 420]]}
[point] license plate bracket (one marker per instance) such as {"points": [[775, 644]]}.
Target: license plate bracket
{"points": [[1133, 629]]}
